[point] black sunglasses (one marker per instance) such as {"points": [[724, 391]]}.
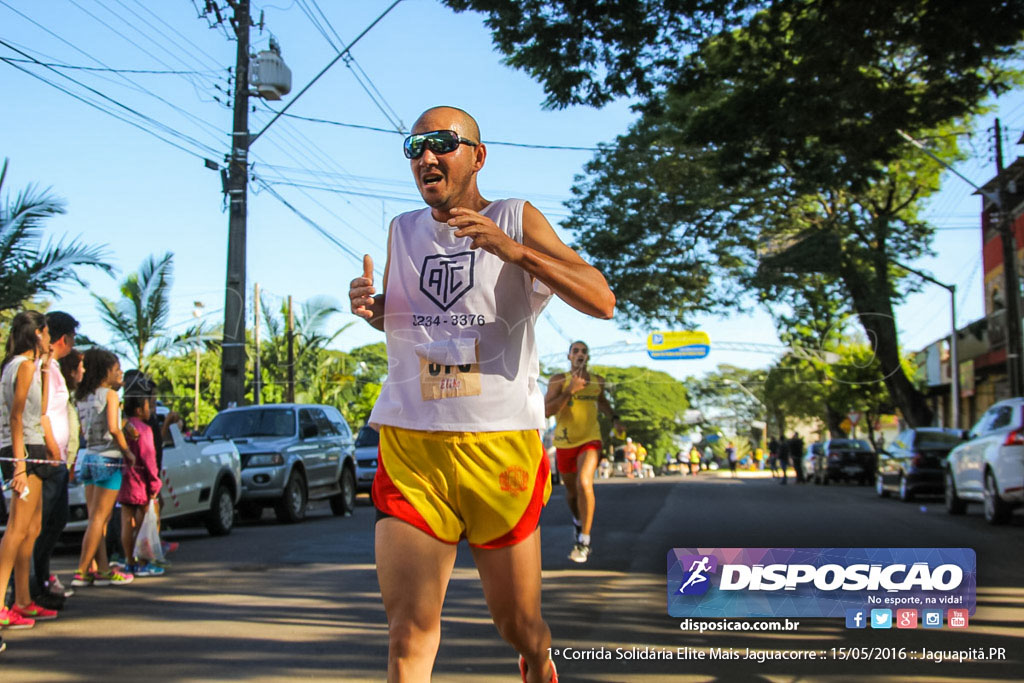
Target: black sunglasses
{"points": [[439, 142]]}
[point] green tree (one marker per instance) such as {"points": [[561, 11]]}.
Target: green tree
{"points": [[139, 318], [757, 134], [650, 404], [175, 374], [730, 396], [28, 268]]}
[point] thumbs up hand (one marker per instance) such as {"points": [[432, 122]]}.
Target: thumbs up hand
{"points": [[361, 290]]}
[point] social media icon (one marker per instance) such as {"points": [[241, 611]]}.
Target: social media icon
{"points": [[906, 618], [957, 618], [881, 618], [856, 618], [931, 618]]}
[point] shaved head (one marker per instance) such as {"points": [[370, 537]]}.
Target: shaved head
{"points": [[466, 124]]}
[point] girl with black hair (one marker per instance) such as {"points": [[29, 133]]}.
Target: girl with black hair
{"points": [[99, 410], [23, 395]]}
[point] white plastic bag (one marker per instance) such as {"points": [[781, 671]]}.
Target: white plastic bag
{"points": [[147, 543]]}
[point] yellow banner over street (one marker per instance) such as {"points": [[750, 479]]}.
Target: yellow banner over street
{"points": [[678, 345]]}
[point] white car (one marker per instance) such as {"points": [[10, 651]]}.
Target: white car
{"points": [[989, 467], [366, 458], [201, 482]]}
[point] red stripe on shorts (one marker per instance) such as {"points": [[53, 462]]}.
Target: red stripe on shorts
{"points": [[531, 516], [389, 500]]}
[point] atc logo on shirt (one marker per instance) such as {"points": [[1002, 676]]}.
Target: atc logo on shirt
{"points": [[444, 278], [696, 580]]}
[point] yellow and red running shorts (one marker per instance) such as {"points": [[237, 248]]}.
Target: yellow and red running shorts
{"points": [[486, 487]]}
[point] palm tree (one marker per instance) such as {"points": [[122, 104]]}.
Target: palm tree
{"points": [[27, 266], [139, 319]]}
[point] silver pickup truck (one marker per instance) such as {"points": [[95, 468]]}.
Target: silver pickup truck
{"points": [[291, 454], [201, 483]]}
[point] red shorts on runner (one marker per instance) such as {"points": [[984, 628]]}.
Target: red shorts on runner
{"points": [[566, 457]]}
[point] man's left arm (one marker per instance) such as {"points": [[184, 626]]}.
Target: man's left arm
{"points": [[544, 256]]}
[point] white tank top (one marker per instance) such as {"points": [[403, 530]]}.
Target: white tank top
{"points": [[460, 330]]}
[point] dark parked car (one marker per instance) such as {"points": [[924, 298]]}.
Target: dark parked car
{"points": [[915, 462], [845, 460]]}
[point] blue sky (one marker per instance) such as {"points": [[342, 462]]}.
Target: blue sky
{"points": [[143, 196]]}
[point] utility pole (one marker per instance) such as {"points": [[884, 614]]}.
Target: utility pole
{"points": [[1011, 282], [290, 398], [257, 373], [233, 358]]}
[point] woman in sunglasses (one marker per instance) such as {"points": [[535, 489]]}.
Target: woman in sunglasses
{"points": [[459, 413]]}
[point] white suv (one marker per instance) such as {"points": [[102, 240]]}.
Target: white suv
{"points": [[989, 467]]}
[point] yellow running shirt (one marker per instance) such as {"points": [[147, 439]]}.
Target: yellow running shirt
{"points": [[576, 423]]}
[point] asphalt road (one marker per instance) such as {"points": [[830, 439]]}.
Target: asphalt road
{"points": [[276, 602]]}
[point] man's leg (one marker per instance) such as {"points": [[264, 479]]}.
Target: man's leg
{"points": [[55, 518], [413, 570], [569, 480], [511, 581]]}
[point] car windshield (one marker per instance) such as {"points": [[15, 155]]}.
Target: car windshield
{"points": [[259, 422], [936, 440], [368, 436], [849, 445]]}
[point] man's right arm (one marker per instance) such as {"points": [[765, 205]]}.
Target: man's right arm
{"points": [[361, 290], [557, 396]]}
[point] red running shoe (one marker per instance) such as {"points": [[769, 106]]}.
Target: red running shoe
{"points": [[12, 620], [522, 670], [34, 611]]}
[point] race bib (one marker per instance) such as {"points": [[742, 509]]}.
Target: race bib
{"points": [[448, 381]]}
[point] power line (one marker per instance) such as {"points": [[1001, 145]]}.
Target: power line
{"points": [[324, 70], [106, 69], [392, 132], [107, 111]]}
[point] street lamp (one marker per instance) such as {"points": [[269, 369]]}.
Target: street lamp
{"points": [[954, 358]]}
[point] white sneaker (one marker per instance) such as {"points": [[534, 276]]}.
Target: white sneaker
{"points": [[579, 553]]}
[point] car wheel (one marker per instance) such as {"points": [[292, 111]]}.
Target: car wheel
{"points": [[906, 495], [250, 511], [345, 502], [292, 506], [997, 511], [880, 487], [221, 517], [955, 505]]}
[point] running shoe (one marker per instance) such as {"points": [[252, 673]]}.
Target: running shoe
{"points": [[147, 569], [522, 670], [57, 588], [34, 611], [83, 579], [12, 620], [579, 553], [115, 577]]}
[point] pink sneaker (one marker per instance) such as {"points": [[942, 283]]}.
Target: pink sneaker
{"points": [[34, 611], [12, 620]]}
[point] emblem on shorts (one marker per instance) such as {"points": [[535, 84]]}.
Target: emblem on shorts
{"points": [[444, 278], [514, 480]]}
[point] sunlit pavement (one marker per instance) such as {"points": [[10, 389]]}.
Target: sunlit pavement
{"points": [[275, 602]]}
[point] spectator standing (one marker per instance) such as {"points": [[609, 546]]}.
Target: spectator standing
{"points": [[796, 454], [783, 457], [773, 456], [24, 390], [140, 482], [47, 588], [732, 457], [100, 411]]}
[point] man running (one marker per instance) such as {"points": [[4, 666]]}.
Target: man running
{"points": [[574, 399], [459, 412]]}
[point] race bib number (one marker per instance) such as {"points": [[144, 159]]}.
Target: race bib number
{"points": [[448, 381]]}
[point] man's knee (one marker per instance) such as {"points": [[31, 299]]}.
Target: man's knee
{"points": [[409, 636], [520, 628]]}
